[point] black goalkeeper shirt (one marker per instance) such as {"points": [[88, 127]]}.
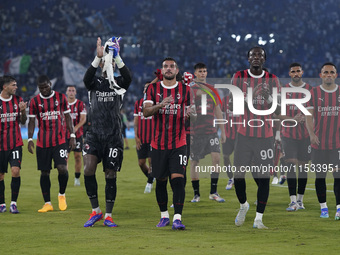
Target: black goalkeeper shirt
{"points": [[104, 103]]}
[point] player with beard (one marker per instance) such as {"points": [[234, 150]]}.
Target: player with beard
{"points": [[104, 140], [170, 104], [295, 142], [324, 130], [12, 113], [254, 143]]}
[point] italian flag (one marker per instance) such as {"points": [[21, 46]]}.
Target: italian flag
{"points": [[18, 65]]}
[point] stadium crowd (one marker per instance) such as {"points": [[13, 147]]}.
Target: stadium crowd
{"points": [[218, 33]]}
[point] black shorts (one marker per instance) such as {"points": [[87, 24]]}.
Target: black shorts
{"points": [[203, 145], [167, 162], [45, 155], [144, 151], [296, 149], [253, 151], [107, 148], [13, 157], [326, 157], [228, 146], [79, 145]]}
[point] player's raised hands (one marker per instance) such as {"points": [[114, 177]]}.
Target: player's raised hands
{"points": [[100, 48]]}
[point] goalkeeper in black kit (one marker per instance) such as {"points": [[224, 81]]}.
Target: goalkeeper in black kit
{"points": [[104, 140]]}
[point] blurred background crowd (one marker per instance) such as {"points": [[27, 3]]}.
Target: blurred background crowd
{"points": [[41, 33]]}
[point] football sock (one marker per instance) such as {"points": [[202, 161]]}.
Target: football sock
{"points": [[255, 178], [2, 192], [162, 195], [336, 189], [45, 185], [177, 217], [150, 178], [299, 197], [291, 178], [77, 175], [63, 179], [92, 189], [108, 215], [110, 193], [293, 198], [302, 183], [262, 194], [323, 205], [15, 186], [320, 186], [196, 187], [97, 210], [302, 180], [258, 216], [177, 185], [240, 189], [213, 182], [165, 214]]}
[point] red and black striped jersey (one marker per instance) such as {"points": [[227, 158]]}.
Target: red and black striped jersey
{"points": [[144, 124], [298, 132], [326, 105], [251, 124], [10, 135], [230, 128], [77, 108], [49, 112], [168, 124], [204, 124]]}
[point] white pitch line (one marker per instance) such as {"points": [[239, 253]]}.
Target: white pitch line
{"points": [[282, 186]]}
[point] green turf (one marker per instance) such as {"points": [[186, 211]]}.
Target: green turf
{"points": [[210, 225]]}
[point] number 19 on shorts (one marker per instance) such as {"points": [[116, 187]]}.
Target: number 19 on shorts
{"points": [[182, 160]]}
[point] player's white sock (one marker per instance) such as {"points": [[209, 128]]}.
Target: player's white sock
{"points": [[293, 198], [244, 205], [61, 194], [165, 214], [108, 215], [323, 205], [177, 216], [13, 203], [49, 202], [300, 197], [337, 207], [97, 210], [259, 216]]}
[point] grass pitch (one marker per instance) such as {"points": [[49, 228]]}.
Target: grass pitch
{"points": [[210, 227]]}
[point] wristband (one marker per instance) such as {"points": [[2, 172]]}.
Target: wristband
{"points": [[72, 135], [119, 61], [29, 139], [95, 62]]}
